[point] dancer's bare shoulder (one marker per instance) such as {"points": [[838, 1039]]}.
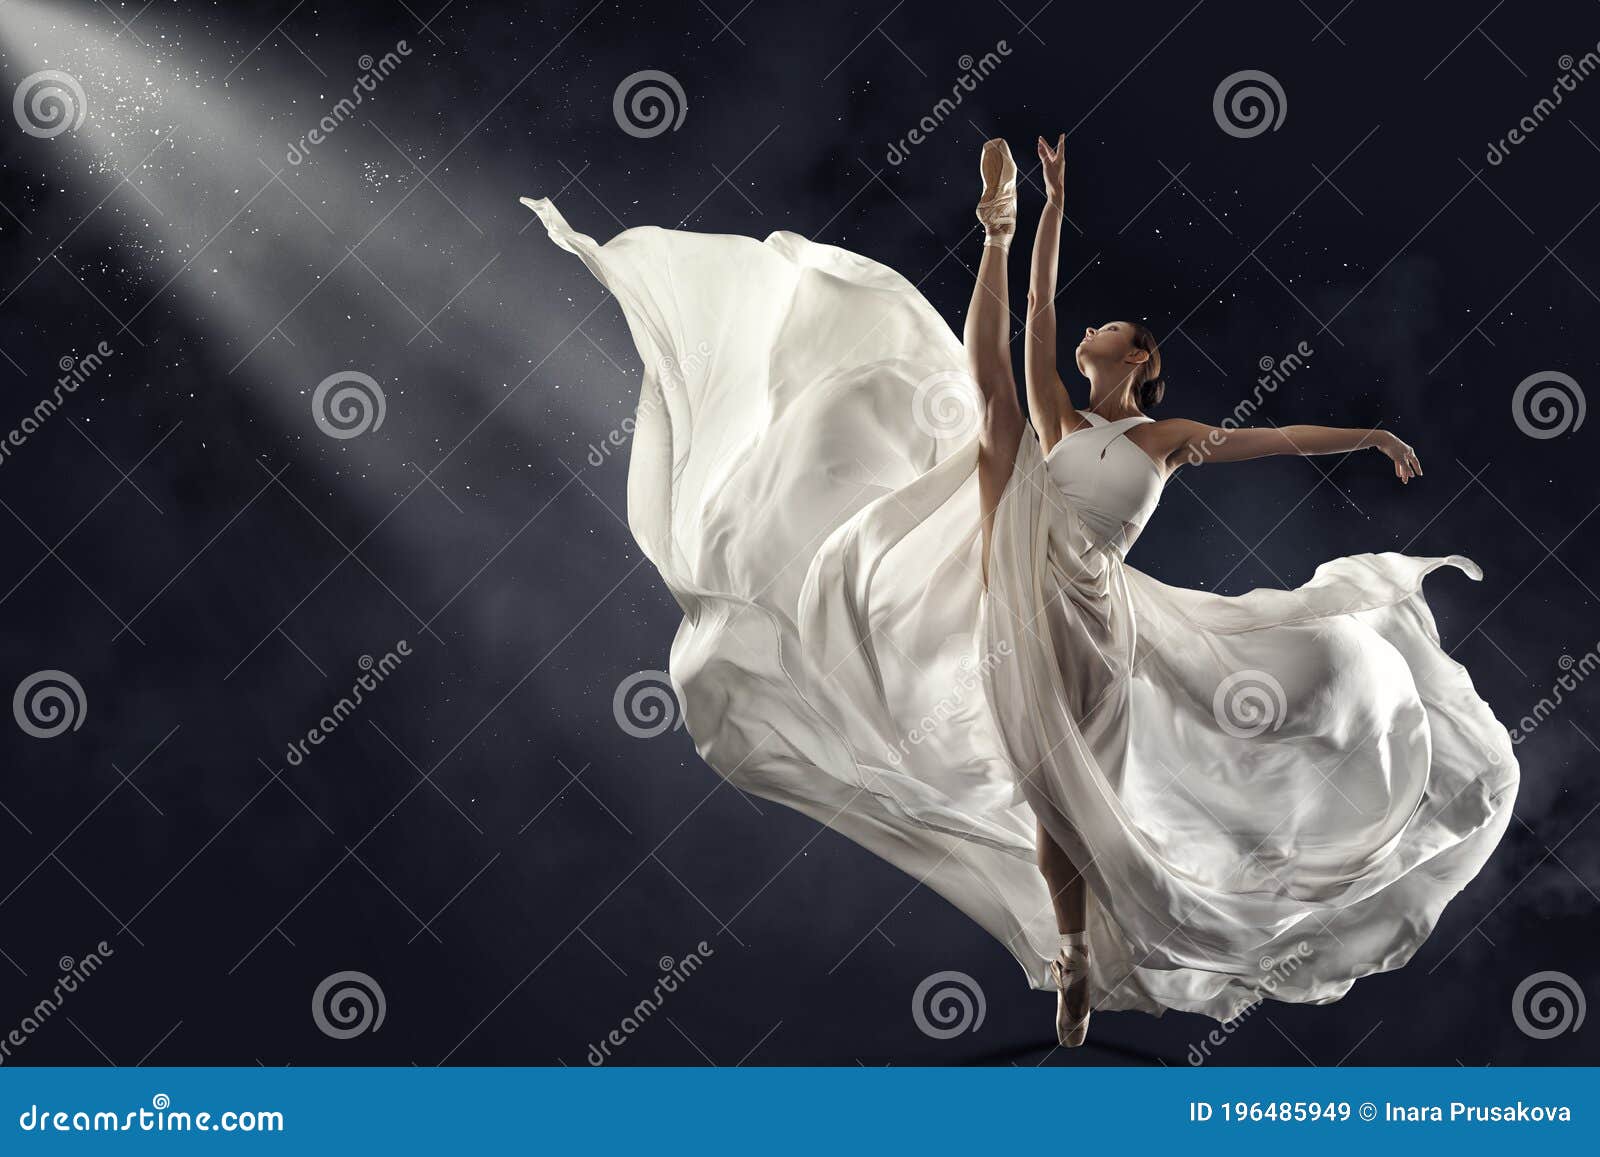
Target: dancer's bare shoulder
{"points": [[1168, 441]]}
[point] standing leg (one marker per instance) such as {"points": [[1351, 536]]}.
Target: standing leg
{"points": [[1069, 896]]}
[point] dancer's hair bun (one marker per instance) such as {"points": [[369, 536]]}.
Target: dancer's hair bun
{"points": [[1151, 392]]}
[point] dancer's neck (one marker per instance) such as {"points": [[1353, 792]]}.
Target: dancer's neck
{"points": [[1112, 396]]}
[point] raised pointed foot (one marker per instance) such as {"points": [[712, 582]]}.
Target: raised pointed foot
{"points": [[997, 207]]}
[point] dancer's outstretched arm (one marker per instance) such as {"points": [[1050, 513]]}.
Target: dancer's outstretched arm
{"points": [[1197, 443], [1048, 403]]}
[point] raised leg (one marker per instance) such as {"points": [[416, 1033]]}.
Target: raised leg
{"points": [[987, 336]]}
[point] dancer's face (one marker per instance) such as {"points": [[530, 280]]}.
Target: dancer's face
{"points": [[1108, 345]]}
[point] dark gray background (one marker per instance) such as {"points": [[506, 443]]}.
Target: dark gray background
{"points": [[481, 837]]}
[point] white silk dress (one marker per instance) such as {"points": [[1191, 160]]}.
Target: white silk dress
{"points": [[1270, 795]]}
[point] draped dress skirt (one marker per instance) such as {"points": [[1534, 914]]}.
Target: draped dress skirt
{"points": [[1269, 795]]}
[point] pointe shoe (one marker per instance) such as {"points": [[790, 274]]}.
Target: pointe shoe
{"points": [[1070, 971], [997, 209]]}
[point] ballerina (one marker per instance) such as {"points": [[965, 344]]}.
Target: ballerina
{"points": [[1122, 363], [908, 614]]}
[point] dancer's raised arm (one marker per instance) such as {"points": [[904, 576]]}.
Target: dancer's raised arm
{"points": [[1048, 403]]}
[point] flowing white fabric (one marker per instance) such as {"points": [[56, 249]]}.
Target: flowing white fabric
{"points": [[1270, 795]]}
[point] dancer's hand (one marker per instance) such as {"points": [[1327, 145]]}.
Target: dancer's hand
{"points": [[1055, 169], [1406, 466]]}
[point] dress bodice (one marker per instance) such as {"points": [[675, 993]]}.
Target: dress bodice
{"points": [[1111, 483]]}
